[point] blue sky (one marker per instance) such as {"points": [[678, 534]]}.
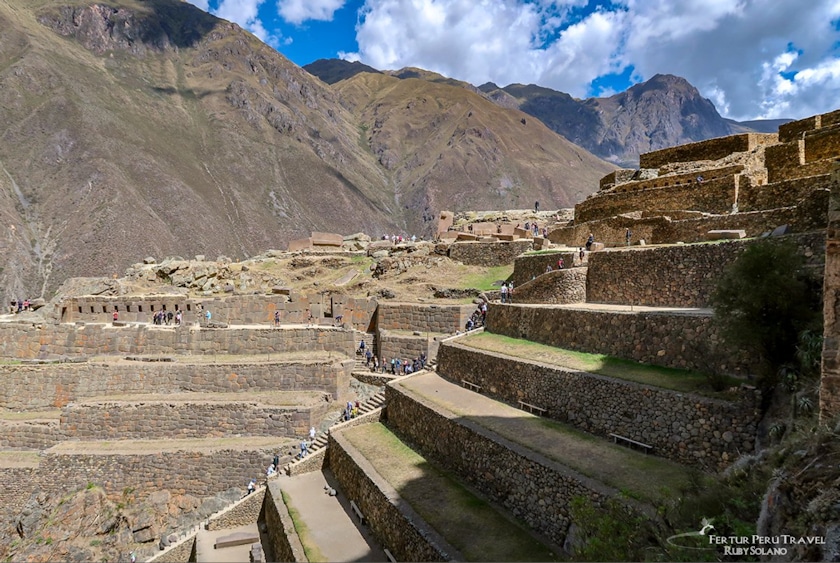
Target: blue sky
{"points": [[752, 58]]}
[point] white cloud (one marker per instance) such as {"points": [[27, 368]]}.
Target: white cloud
{"points": [[732, 50], [245, 13], [298, 11]]}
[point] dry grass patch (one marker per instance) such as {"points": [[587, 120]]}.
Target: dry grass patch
{"points": [[468, 522]]}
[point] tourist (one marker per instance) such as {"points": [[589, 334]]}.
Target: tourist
{"points": [[276, 319], [304, 448], [589, 240], [580, 253], [368, 357], [510, 293], [560, 264], [276, 461], [536, 207], [272, 469], [116, 315], [208, 316], [252, 485], [169, 317], [628, 234], [548, 269], [178, 317], [312, 433], [503, 292], [361, 349], [339, 319]]}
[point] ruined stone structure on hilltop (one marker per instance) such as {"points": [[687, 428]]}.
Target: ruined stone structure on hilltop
{"points": [[750, 182]]}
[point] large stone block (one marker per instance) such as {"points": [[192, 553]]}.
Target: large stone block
{"points": [[726, 235], [326, 239], [445, 221], [300, 244]]}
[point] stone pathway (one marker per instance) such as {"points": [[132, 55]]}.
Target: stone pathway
{"points": [[206, 539], [329, 519], [691, 311]]}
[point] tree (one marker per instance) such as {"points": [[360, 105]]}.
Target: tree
{"points": [[764, 300]]}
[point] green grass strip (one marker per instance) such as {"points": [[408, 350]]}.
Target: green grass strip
{"points": [[483, 278], [637, 475], [310, 548], [684, 381], [469, 523]]}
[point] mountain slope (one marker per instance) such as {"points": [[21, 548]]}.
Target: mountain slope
{"points": [[662, 112], [131, 128], [443, 143]]}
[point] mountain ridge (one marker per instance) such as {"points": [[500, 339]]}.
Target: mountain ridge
{"points": [[664, 111]]}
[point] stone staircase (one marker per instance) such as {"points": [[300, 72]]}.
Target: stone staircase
{"points": [[370, 342], [371, 404]]}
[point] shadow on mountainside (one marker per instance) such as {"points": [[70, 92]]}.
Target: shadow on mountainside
{"points": [[120, 26]]}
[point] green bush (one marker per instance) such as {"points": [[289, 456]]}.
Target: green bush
{"points": [[764, 301]]}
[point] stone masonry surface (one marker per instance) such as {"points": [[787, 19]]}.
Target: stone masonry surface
{"points": [[536, 490], [60, 384], [676, 276], [25, 341], [690, 429], [284, 543], [247, 511], [488, 253], [830, 382], [425, 318], [711, 149], [403, 346], [393, 522], [528, 266], [177, 420], [558, 287], [652, 337]]}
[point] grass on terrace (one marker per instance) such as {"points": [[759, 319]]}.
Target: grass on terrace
{"points": [[668, 378], [637, 475], [310, 548], [466, 521], [484, 278]]}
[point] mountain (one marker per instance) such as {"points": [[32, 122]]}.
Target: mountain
{"points": [[447, 147], [131, 128], [335, 70], [662, 112]]}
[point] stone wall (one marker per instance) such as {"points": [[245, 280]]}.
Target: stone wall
{"points": [[30, 434], [18, 484], [558, 287], [234, 309], [60, 384], [403, 346], [711, 149], [714, 196], [444, 319], [25, 341], [690, 429], [830, 381], [184, 552], [675, 276], [785, 193], [528, 266], [809, 215], [488, 254], [149, 420], [392, 521], [284, 543], [524, 482], [246, 511], [653, 337]]}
